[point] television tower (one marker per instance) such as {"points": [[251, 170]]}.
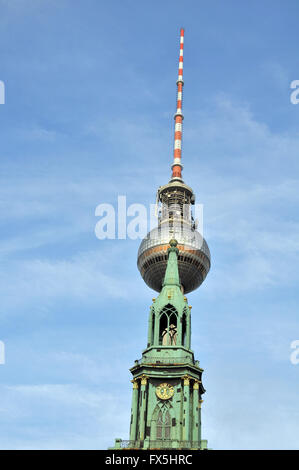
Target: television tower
{"points": [[173, 259]]}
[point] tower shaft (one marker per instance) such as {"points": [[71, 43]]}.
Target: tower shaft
{"points": [[173, 259]]}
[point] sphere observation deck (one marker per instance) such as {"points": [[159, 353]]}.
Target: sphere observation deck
{"points": [[175, 221]]}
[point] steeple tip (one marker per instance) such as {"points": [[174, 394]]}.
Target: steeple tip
{"points": [[172, 277]]}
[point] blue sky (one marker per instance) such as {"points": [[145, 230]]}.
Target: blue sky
{"points": [[90, 98]]}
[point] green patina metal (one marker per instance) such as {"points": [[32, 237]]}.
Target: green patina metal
{"points": [[172, 420]]}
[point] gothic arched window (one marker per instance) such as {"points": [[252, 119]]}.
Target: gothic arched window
{"points": [[172, 330], [167, 425], [160, 425], [163, 337], [168, 326], [163, 426]]}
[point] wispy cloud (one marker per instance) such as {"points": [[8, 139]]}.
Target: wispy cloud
{"points": [[75, 415], [250, 198], [83, 278], [88, 117]]}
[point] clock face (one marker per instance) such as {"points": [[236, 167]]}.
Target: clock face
{"points": [[164, 391]]}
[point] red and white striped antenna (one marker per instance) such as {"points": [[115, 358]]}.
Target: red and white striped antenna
{"points": [[178, 127]]}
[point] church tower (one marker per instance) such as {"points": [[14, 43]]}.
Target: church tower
{"points": [[173, 259]]}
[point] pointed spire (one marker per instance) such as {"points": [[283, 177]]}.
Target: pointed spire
{"points": [[172, 277], [178, 129]]}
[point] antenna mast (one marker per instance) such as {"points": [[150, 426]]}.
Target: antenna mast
{"points": [[178, 117]]}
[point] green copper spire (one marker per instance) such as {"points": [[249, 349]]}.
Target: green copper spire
{"points": [[169, 320], [167, 380], [171, 277]]}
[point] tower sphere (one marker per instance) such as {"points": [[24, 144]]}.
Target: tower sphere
{"points": [[193, 258]]}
